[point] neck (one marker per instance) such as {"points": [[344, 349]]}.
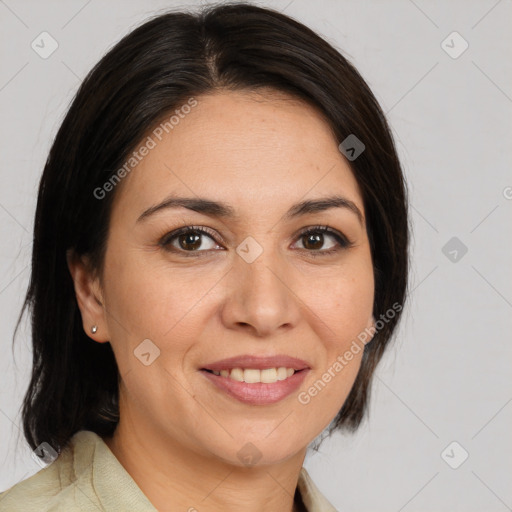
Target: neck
{"points": [[174, 477]]}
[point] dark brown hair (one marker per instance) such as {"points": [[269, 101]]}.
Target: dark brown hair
{"points": [[150, 72]]}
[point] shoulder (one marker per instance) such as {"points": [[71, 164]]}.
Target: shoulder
{"points": [[312, 498], [55, 486]]}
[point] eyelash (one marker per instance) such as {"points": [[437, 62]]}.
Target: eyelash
{"points": [[343, 241]]}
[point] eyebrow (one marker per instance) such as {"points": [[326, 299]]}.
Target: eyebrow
{"points": [[225, 211]]}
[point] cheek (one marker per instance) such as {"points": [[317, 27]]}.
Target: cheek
{"points": [[341, 306], [344, 309], [149, 296], [148, 300], [341, 303]]}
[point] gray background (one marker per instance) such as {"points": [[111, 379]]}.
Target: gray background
{"points": [[447, 377]]}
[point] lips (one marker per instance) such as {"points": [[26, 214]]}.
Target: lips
{"points": [[257, 363], [257, 380]]}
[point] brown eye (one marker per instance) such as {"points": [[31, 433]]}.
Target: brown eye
{"points": [[314, 239], [189, 239]]}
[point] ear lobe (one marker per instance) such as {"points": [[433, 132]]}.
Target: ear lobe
{"points": [[87, 288], [371, 328]]}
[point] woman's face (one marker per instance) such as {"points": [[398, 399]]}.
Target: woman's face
{"points": [[252, 286]]}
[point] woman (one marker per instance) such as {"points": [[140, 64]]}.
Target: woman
{"points": [[219, 262]]}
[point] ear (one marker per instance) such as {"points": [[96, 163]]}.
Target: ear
{"points": [[370, 328], [89, 296]]}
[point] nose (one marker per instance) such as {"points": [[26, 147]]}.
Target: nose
{"points": [[260, 297]]}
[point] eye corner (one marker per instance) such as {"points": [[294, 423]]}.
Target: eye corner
{"points": [[342, 241]]}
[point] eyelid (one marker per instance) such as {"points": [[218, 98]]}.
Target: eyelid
{"points": [[345, 241], [342, 240], [205, 230]]}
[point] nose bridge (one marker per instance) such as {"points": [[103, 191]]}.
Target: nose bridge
{"points": [[259, 294], [256, 267]]}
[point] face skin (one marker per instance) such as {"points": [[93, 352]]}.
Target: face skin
{"points": [[179, 435]]}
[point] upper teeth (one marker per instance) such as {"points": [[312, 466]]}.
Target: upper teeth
{"points": [[267, 376]]}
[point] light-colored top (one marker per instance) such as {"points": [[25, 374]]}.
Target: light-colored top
{"points": [[87, 476]]}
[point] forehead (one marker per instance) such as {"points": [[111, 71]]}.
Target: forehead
{"points": [[254, 151]]}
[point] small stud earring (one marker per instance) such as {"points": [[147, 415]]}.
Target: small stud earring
{"points": [[94, 328]]}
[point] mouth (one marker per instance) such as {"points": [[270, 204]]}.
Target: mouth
{"points": [[257, 380], [255, 375]]}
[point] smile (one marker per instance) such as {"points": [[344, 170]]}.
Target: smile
{"points": [[253, 375], [256, 392]]}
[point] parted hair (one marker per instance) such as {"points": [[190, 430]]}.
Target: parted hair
{"points": [[150, 72]]}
